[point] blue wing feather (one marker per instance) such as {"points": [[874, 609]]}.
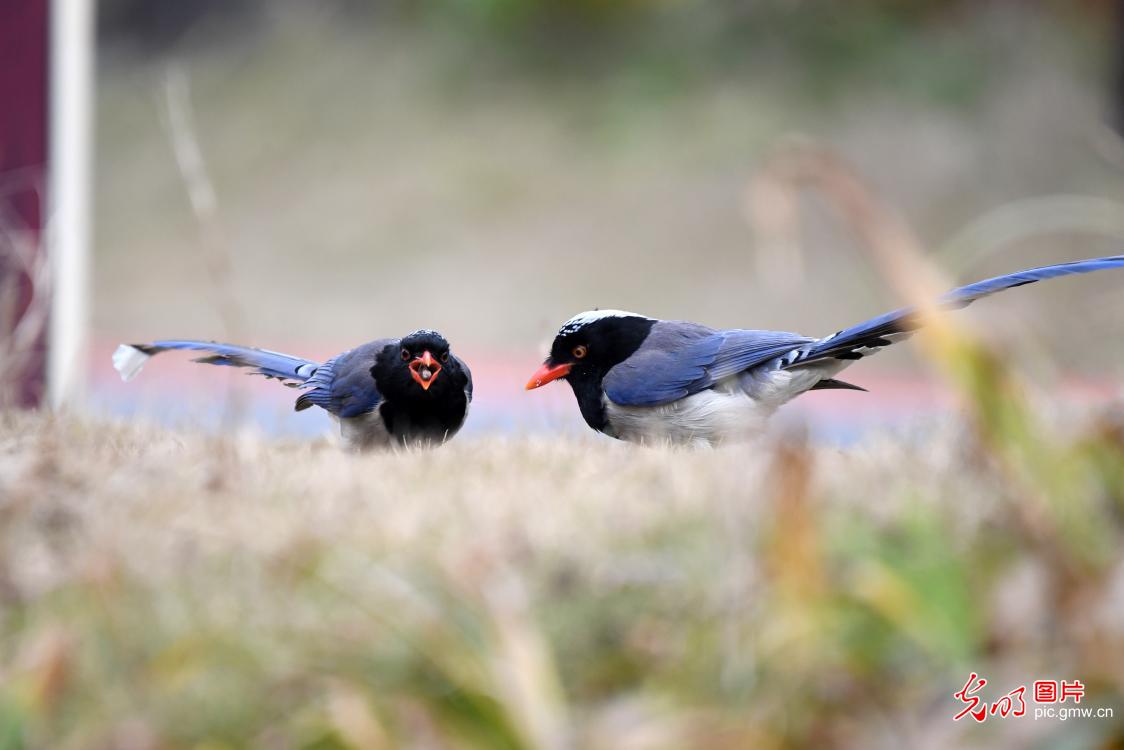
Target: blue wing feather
{"points": [[743, 349], [261, 361], [674, 355], [343, 385], [679, 358]]}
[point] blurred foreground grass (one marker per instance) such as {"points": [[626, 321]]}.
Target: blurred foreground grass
{"points": [[169, 590]]}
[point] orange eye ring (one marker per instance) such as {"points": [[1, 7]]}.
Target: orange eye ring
{"points": [[580, 351], [405, 355]]}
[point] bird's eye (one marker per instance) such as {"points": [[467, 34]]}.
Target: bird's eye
{"points": [[445, 356], [405, 355], [580, 351]]}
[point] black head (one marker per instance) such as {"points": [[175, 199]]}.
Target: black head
{"points": [[590, 344], [425, 388], [418, 362]]}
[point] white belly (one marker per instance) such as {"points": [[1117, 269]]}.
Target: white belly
{"points": [[363, 432], [736, 410]]}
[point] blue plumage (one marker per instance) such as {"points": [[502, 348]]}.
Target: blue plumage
{"points": [[742, 349], [391, 391], [343, 385], [871, 333], [680, 358], [676, 354], [648, 380], [284, 367]]}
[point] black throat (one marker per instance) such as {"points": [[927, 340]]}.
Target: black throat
{"points": [[611, 341], [589, 395]]}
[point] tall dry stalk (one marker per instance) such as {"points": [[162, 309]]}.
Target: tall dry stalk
{"points": [[215, 254], [26, 267]]}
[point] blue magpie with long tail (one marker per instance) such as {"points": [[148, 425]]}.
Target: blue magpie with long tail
{"points": [[387, 392], [646, 380]]}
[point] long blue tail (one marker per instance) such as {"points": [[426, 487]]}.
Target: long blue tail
{"points": [[130, 358], [854, 342]]}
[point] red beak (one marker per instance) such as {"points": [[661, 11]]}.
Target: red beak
{"points": [[547, 373], [424, 370]]}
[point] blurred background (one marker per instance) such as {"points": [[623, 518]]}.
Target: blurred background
{"points": [[306, 177]]}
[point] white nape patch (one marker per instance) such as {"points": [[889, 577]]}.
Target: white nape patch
{"points": [[590, 316], [128, 361]]}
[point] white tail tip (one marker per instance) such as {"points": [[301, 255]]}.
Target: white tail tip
{"points": [[128, 361]]}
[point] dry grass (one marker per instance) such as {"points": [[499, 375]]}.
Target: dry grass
{"points": [[175, 590], [163, 590]]}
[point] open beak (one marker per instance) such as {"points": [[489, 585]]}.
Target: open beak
{"points": [[547, 373], [424, 370]]}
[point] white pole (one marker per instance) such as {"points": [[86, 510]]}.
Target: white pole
{"points": [[68, 189]]}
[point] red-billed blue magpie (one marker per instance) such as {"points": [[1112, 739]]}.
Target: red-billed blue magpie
{"points": [[387, 392], [646, 380]]}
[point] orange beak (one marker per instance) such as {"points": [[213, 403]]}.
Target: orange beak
{"points": [[547, 373], [424, 370]]}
